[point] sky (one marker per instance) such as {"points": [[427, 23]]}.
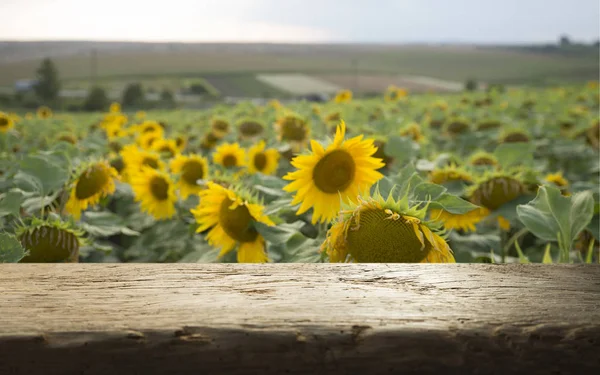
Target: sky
{"points": [[313, 21]]}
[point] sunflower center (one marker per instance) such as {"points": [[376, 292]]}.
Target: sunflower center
{"points": [[496, 192], [91, 182], [334, 172], [237, 223], [516, 137], [3, 122], [483, 160], [221, 125], [229, 161], [159, 188], [192, 172], [50, 244], [251, 128], [167, 150], [260, 161], [293, 131], [150, 162], [379, 239], [457, 127]]}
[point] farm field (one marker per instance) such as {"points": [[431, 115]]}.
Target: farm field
{"points": [[499, 176], [235, 67]]}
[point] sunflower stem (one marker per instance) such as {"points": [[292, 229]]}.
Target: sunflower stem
{"points": [[510, 242]]}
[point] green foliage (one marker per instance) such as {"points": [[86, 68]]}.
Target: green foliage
{"points": [[471, 85], [133, 96], [96, 100], [47, 87], [11, 250], [553, 217]]}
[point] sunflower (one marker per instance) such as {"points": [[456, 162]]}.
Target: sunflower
{"points": [[68, 138], [514, 136], [413, 130], [209, 141], [559, 181], [344, 96], [482, 158], [6, 122], [95, 182], [230, 155], [293, 130], [146, 140], [333, 117], [465, 222], [450, 173], [181, 142], [115, 108], [340, 171], [394, 93], [219, 127], [192, 168], [230, 217], [489, 124], [44, 112], [114, 131], [50, 242], [261, 160], [167, 147], [494, 190], [379, 230], [457, 126], [150, 127], [250, 129], [155, 191]]}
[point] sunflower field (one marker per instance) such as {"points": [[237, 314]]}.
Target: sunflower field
{"points": [[502, 176]]}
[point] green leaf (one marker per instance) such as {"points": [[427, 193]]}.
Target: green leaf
{"points": [[11, 203], [551, 216], [512, 154], [452, 204], [522, 258], [11, 250], [105, 224], [401, 149], [40, 174], [426, 191], [280, 233], [269, 193]]}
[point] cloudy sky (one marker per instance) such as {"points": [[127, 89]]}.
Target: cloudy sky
{"points": [[386, 21]]}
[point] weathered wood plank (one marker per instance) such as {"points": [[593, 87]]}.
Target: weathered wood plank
{"points": [[233, 319]]}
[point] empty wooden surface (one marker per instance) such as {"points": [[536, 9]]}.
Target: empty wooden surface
{"points": [[234, 319]]}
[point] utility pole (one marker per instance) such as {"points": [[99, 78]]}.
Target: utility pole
{"points": [[355, 66], [93, 68]]}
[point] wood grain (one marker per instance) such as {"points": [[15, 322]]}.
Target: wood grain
{"points": [[296, 319]]}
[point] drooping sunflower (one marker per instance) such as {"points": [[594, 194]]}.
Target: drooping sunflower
{"points": [[380, 230], [181, 142], [293, 130], [230, 216], [219, 127], [457, 126], [489, 124], [192, 168], [493, 190], [450, 173], [324, 176], [261, 160], [344, 96], [50, 241], [482, 158], [155, 191], [6, 122], [514, 136], [166, 147], [413, 130], [250, 129], [93, 183], [230, 155], [44, 112], [150, 127], [465, 222], [68, 138], [209, 141]]}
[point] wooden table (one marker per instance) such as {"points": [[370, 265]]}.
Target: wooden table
{"points": [[298, 318]]}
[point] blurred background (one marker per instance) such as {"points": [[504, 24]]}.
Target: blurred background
{"points": [[195, 53]]}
